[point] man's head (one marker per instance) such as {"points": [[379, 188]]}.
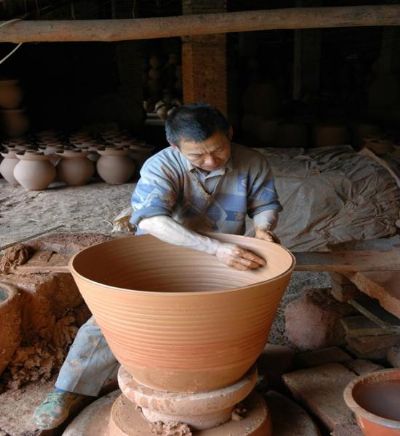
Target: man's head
{"points": [[202, 134]]}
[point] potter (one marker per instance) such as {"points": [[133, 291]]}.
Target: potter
{"points": [[201, 183]]}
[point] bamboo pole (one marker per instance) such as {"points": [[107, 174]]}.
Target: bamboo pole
{"points": [[150, 28]]}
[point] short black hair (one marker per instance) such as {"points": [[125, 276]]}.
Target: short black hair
{"points": [[194, 122]]}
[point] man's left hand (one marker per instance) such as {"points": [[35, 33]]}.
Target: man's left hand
{"points": [[267, 235]]}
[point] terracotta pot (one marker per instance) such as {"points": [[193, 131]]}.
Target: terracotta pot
{"points": [[375, 400], [15, 122], [178, 319], [330, 134], [114, 166], [7, 166], [34, 171], [10, 323], [10, 94], [75, 168]]}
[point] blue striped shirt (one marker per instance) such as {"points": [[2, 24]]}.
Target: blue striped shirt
{"points": [[217, 201]]}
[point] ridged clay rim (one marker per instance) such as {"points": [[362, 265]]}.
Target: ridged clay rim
{"points": [[377, 376], [223, 237]]}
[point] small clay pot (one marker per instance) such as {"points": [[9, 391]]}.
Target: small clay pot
{"points": [[114, 166], [74, 168], [330, 134], [34, 171], [7, 167], [374, 398], [179, 320], [10, 93], [10, 323], [15, 122]]}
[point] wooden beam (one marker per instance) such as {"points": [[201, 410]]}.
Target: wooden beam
{"points": [[348, 261], [200, 24]]}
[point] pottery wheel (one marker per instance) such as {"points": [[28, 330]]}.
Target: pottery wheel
{"points": [[126, 420]]}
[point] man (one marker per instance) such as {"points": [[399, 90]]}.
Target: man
{"points": [[201, 183]]}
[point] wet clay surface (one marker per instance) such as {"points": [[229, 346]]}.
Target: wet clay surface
{"points": [[380, 398]]}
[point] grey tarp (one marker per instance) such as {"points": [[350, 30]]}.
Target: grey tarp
{"points": [[332, 195]]}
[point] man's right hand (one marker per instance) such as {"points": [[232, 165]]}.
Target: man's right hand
{"points": [[238, 258]]}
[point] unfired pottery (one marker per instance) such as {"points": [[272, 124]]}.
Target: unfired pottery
{"points": [[374, 398], [15, 122], [34, 171], [75, 168], [10, 323], [178, 319], [10, 94], [7, 166], [114, 166], [330, 134]]}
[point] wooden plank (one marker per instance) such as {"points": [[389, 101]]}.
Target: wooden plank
{"points": [[383, 286], [373, 311], [349, 261], [199, 24]]}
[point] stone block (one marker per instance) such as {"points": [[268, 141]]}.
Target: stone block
{"points": [[288, 418], [360, 325], [361, 366], [321, 390], [312, 320], [308, 359], [372, 347]]}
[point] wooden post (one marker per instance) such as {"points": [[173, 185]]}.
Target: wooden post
{"points": [[200, 24], [204, 61]]}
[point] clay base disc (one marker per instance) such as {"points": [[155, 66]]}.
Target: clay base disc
{"points": [[93, 420], [126, 420]]}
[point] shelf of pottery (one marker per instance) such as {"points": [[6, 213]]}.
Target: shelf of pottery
{"points": [[49, 156], [163, 86]]}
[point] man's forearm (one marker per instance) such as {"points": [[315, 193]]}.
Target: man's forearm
{"points": [[168, 230], [266, 220]]}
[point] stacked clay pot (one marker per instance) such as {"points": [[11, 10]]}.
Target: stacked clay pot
{"points": [[115, 166], [34, 171], [330, 134], [175, 327], [10, 323], [11, 94], [14, 119], [7, 166], [74, 168]]}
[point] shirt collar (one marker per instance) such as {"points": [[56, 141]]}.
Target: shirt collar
{"points": [[220, 171]]}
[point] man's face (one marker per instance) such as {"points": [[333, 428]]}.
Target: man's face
{"points": [[208, 155]]}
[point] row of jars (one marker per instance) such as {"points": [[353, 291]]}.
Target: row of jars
{"points": [[37, 169]]}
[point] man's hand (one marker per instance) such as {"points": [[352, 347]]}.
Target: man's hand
{"points": [[267, 235], [238, 258]]}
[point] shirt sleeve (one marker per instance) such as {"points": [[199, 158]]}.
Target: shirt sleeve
{"points": [[156, 192], [262, 194]]}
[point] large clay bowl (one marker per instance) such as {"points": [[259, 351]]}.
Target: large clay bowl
{"points": [[375, 400], [178, 319]]}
